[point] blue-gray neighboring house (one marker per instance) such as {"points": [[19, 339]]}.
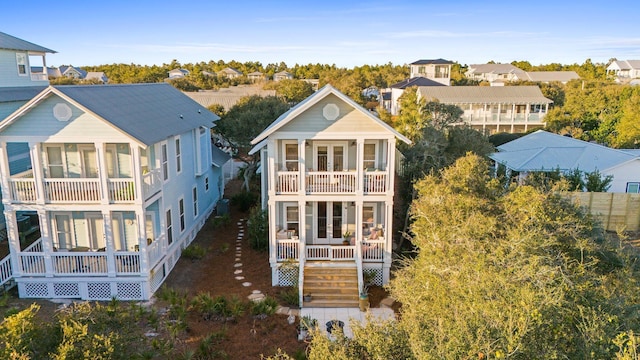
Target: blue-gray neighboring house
{"points": [[122, 179]]}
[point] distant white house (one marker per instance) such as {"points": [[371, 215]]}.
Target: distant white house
{"points": [[257, 76], [178, 73], [493, 72], [545, 151], [624, 70], [391, 95], [230, 73], [549, 76], [282, 75], [97, 75], [438, 70]]}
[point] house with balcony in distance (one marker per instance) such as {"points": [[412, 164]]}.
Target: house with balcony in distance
{"points": [[438, 70], [327, 172], [178, 73], [492, 109], [391, 95], [257, 76], [230, 73], [282, 75], [624, 71], [120, 180], [494, 72]]}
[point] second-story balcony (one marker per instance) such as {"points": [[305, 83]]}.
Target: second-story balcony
{"points": [[331, 182], [70, 174]]}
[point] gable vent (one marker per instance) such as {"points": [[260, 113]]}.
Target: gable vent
{"points": [[331, 112], [62, 112]]}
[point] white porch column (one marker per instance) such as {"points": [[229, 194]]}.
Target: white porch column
{"points": [[47, 241], [391, 165], [358, 223], [360, 167], [484, 118], [302, 220], [271, 163], [137, 175], [142, 241], [110, 245], [302, 168], [498, 118], [14, 242], [527, 112], [103, 173], [513, 116], [273, 242], [388, 243], [4, 171], [38, 173]]}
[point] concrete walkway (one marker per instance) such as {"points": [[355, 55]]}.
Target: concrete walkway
{"points": [[323, 315]]}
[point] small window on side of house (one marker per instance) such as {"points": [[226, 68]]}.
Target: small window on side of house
{"points": [[633, 187]]}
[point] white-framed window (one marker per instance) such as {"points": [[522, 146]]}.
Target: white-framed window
{"points": [[64, 236], [369, 156], [633, 187], [292, 219], [194, 193], [181, 210], [178, 156], [368, 219], [165, 162], [55, 161], [21, 60], [206, 184], [169, 226], [291, 156]]}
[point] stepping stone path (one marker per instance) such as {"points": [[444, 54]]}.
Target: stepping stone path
{"points": [[256, 295]]}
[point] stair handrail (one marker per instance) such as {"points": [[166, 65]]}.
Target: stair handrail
{"points": [[359, 265], [6, 272], [302, 257]]}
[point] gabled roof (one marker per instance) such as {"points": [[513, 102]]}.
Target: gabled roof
{"points": [[624, 64], [545, 151], [494, 69], [283, 73], [64, 69], [13, 43], [98, 75], [21, 93], [219, 157], [314, 99], [432, 62], [416, 81], [484, 94], [231, 71], [147, 112], [255, 73], [546, 76]]}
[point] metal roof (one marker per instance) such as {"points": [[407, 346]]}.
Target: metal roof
{"points": [[494, 68], [227, 97], [219, 157], [562, 76], [13, 43], [314, 99], [147, 112], [545, 151], [432, 61], [22, 93], [484, 94], [416, 81]]}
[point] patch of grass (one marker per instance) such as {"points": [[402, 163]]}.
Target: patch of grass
{"points": [[221, 220], [245, 200], [267, 306]]}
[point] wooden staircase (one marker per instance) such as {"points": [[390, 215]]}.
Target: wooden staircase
{"points": [[330, 286]]}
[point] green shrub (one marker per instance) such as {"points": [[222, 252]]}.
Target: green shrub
{"points": [[245, 200], [194, 252], [267, 306], [258, 229], [290, 296], [221, 220]]}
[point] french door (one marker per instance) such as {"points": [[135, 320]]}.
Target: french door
{"points": [[330, 157], [329, 220]]}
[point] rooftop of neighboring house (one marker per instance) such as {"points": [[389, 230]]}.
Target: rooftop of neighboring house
{"points": [[227, 97], [231, 71], [494, 69], [432, 62], [545, 151], [625, 64], [9, 42], [484, 94], [147, 112], [65, 69], [548, 76], [21, 93], [98, 75], [416, 81]]}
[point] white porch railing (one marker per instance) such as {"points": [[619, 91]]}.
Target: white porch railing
{"points": [[331, 182], [121, 190], [79, 263], [330, 252], [36, 246], [23, 190], [288, 250], [287, 182], [39, 77], [127, 262], [151, 182], [154, 250], [72, 190], [32, 263], [6, 273], [373, 250], [375, 182]]}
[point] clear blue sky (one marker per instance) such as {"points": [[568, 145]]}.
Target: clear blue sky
{"points": [[344, 33]]}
